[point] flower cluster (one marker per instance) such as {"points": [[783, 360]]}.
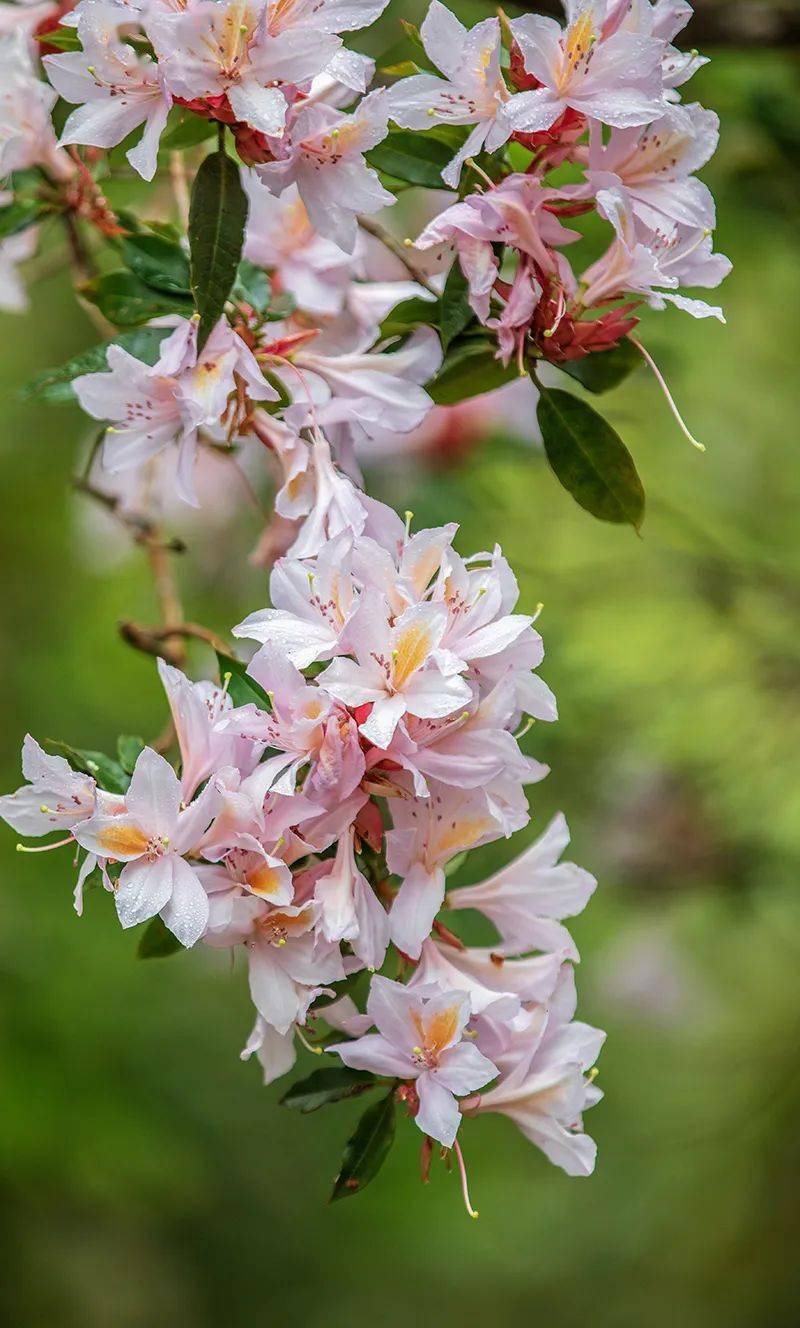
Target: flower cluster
{"points": [[312, 827], [321, 794]]}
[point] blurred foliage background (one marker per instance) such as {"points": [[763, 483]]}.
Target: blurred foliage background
{"points": [[146, 1177]]}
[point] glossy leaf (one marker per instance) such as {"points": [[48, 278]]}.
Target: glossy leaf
{"points": [[469, 369], [590, 459], [409, 314], [108, 772], [18, 216], [417, 158], [217, 217], [253, 285], [158, 262], [242, 689], [157, 941], [55, 385], [129, 749], [187, 131], [455, 313], [126, 301], [367, 1148], [604, 369], [333, 1083]]}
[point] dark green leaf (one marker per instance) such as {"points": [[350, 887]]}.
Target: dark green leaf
{"points": [[605, 369], [332, 1084], [253, 285], [469, 369], [19, 216], [418, 158], [126, 301], [187, 131], [217, 217], [242, 689], [108, 772], [409, 314], [55, 385], [129, 749], [455, 313], [367, 1148], [157, 941], [590, 459], [158, 262]]}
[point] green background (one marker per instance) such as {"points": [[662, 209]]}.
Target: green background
{"points": [[146, 1177]]}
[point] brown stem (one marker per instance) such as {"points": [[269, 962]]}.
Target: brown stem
{"points": [[161, 640], [399, 250]]}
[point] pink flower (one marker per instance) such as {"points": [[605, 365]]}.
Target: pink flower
{"points": [[526, 899], [116, 89], [150, 837], [396, 670], [163, 405], [473, 91], [56, 797], [280, 237], [197, 708], [349, 908], [420, 1039], [322, 152], [27, 137], [614, 79]]}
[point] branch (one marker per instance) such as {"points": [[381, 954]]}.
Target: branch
{"points": [[399, 250], [156, 640]]}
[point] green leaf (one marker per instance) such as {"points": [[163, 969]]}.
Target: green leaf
{"points": [[455, 313], [55, 385], [332, 1084], [604, 369], [409, 314], [403, 69], [158, 262], [217, 217], [19, 216], [108, 772], [418, 158], [126, 301], [129, 749], [61, 39], [157, 941], [242, 689], [282, 306], [253, 285], [367, 1148], [590, 459], [187, 131], [469, 369]]}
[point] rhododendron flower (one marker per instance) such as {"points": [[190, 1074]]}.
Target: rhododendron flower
{"points": [[349, 908], [420, 1038], [488, 975], [153, 407], [150, 838], [615, 79], [116, 89], [56, 797], [396, 670], [322, 152], [288, 966], [27, 137], [227, 48], [312, 602], [472, 92], [527, 899], [275, 1051], [546, 1094], [652, 167], [315, 271], [197, 709]]}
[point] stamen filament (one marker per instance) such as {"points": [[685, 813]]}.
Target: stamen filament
{"points": [[44, 848], [473, 1212], [659, 377]]}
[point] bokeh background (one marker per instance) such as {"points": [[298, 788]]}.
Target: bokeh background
{"points": [[146, 1177]]}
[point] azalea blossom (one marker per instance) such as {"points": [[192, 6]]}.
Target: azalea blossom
{"points": [[151, 837], [420, 1039], [322, 152], [349, 908], [56, 797], [116, 89], [27, 137], [314, 270], [166, 404]]}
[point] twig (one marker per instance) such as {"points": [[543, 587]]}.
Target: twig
{"points": [[156, 640], [399, 250], [140, 528]]}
